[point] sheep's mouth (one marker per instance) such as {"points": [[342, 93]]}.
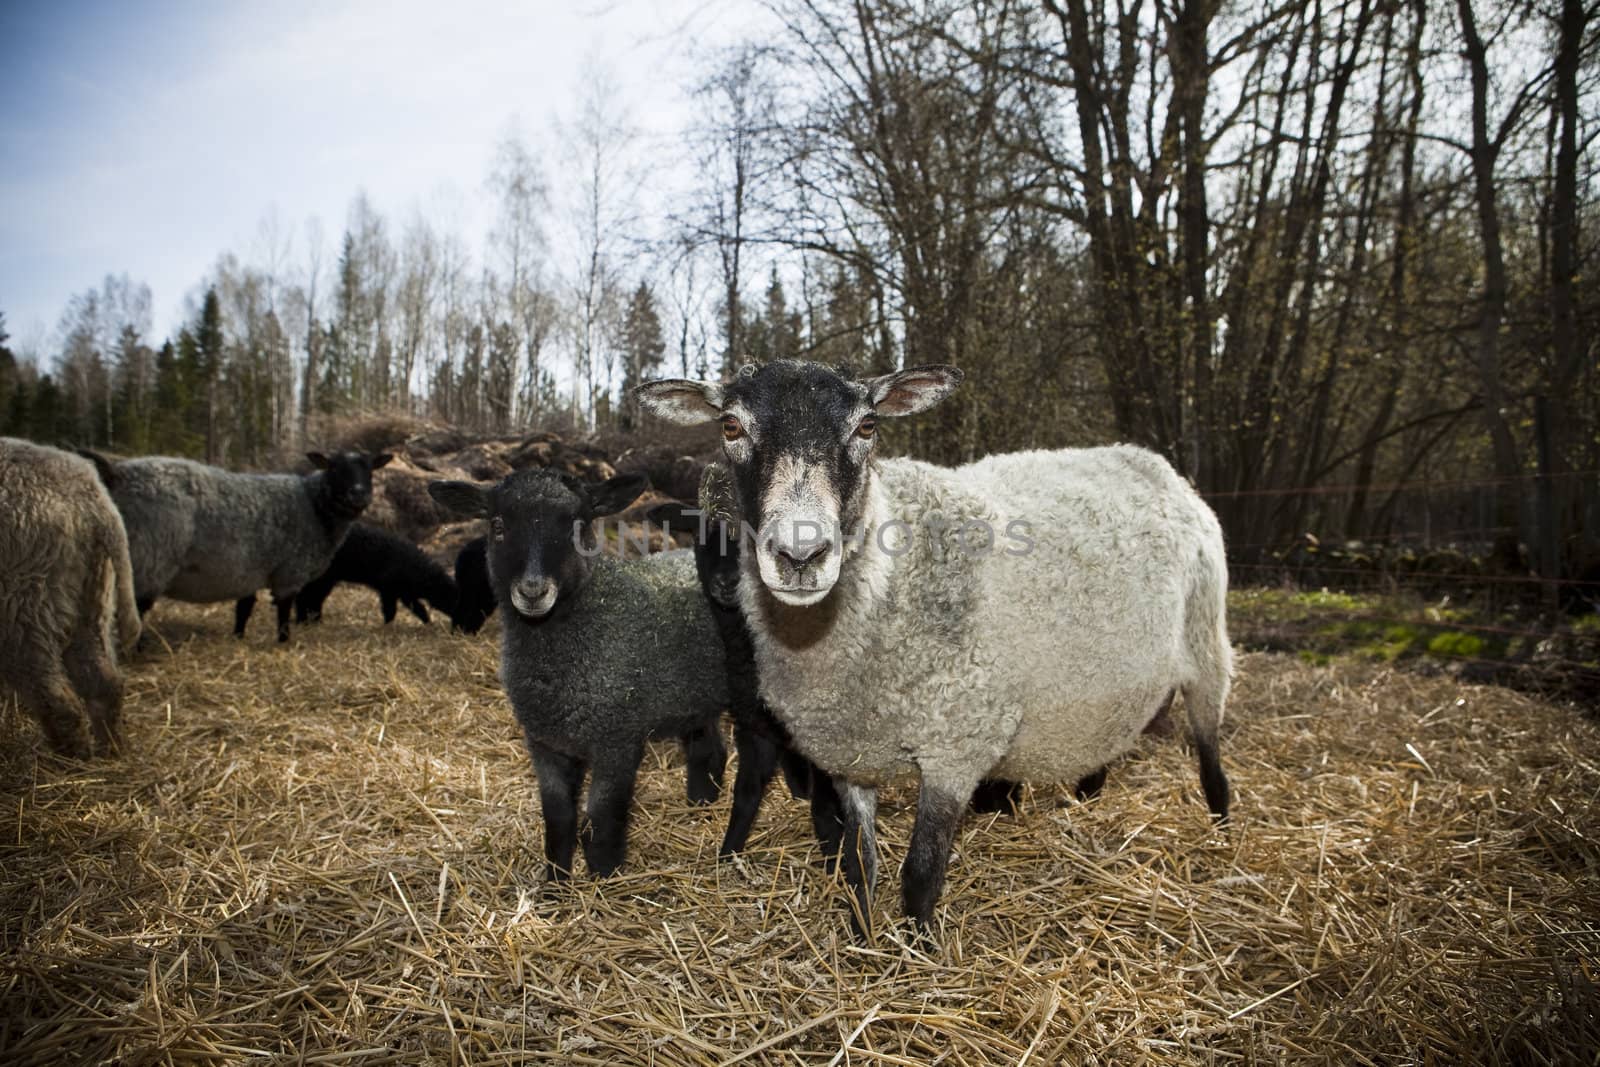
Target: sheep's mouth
{"points": [[353, 504], [725, 593], [537, 606], [798, 585], [799, 598]]}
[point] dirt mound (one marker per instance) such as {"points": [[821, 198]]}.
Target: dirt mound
{"points": [[425, 452]]}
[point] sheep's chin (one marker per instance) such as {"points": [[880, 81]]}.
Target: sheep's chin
{"points": [[799, 598]]}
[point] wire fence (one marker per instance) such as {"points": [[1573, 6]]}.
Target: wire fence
{"points": [[1425, 587]]}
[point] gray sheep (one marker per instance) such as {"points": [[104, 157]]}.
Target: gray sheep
{"points": [[203, 534], [1023, 617], [66, 596], [597, 654]]}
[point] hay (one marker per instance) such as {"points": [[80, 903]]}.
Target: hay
{"points": [[326, 852]]}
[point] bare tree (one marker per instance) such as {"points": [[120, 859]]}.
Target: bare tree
{"points": [[599, 216]]}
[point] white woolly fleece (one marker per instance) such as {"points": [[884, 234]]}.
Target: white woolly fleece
{"points": [[1041, 666]]}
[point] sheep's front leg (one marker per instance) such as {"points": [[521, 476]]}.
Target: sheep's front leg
{"points": [[705, 756], [940, 804], [420, 610], [283, 604], [758, 761], [605, 834], [798, 774], [859, 850], [827, 819], [560, 777], [242, 609], [391, 605]]}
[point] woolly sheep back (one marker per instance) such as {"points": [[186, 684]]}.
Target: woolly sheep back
{"points": [[1041, 665], [66, 595]]}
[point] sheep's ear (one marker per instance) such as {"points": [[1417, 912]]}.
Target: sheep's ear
{"points": [[672, 514], [611, 496], [318, 460], [102, 465], [461, 498], [913, 389], [680, 400], [381, 459]]}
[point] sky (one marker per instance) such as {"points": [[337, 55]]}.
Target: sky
{"points": [[150, 137]]}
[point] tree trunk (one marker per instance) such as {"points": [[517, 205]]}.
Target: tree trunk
{"points": [[1492, 303]]}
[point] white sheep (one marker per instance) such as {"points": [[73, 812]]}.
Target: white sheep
{"points": [[1023, 617], [66, 596]]}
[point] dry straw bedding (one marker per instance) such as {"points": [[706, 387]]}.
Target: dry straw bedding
{"points": [[327, 852]]}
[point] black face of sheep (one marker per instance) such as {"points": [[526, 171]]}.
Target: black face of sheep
{"points": [[540, 540], [799, 437], [716, 549], [347, 479]]}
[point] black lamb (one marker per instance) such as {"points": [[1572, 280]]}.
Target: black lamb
{"points": [[400, 572], [597, 654], [476, 594]]}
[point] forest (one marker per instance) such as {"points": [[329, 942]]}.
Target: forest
{"points": [[1332, 258]]}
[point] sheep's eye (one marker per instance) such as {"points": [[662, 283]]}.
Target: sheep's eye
{"points": [[867, 427], [497, 527], [732, 429]]}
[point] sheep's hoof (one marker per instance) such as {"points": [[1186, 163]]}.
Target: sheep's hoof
{"points": [[917, 935], [703, 793]]}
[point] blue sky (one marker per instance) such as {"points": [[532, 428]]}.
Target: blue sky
{"points": [[148, 138]]}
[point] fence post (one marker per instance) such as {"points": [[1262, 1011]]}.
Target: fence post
{"points": [[1548, 521]]}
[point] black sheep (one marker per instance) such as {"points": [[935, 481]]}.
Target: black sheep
{"points": [[476, 595], [400, 571], [760, 739]]}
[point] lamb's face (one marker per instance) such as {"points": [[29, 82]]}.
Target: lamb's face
{"points": [[535, 525], [541, 541], [799, 438]]}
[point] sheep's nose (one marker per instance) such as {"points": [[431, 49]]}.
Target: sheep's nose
{"points": [[803, 553]]}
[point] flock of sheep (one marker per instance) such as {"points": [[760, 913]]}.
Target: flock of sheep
{"points": [[1022, 618]]}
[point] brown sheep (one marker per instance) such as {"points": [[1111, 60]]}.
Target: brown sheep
{"points": [[66, 596]]}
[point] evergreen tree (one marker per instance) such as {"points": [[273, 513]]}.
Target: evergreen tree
{"points": [[10, 378], [169, 417], [209, 340], [642, 349], [47, 413]]}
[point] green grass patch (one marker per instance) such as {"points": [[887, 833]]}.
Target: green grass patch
{"points": [[1453, 643]]}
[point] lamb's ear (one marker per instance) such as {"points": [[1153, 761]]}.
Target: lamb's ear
{"points": [[913, 389], [461, 498], [102, 465], [381, 459], [680, 400], [611, 496], [318, 460]]}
